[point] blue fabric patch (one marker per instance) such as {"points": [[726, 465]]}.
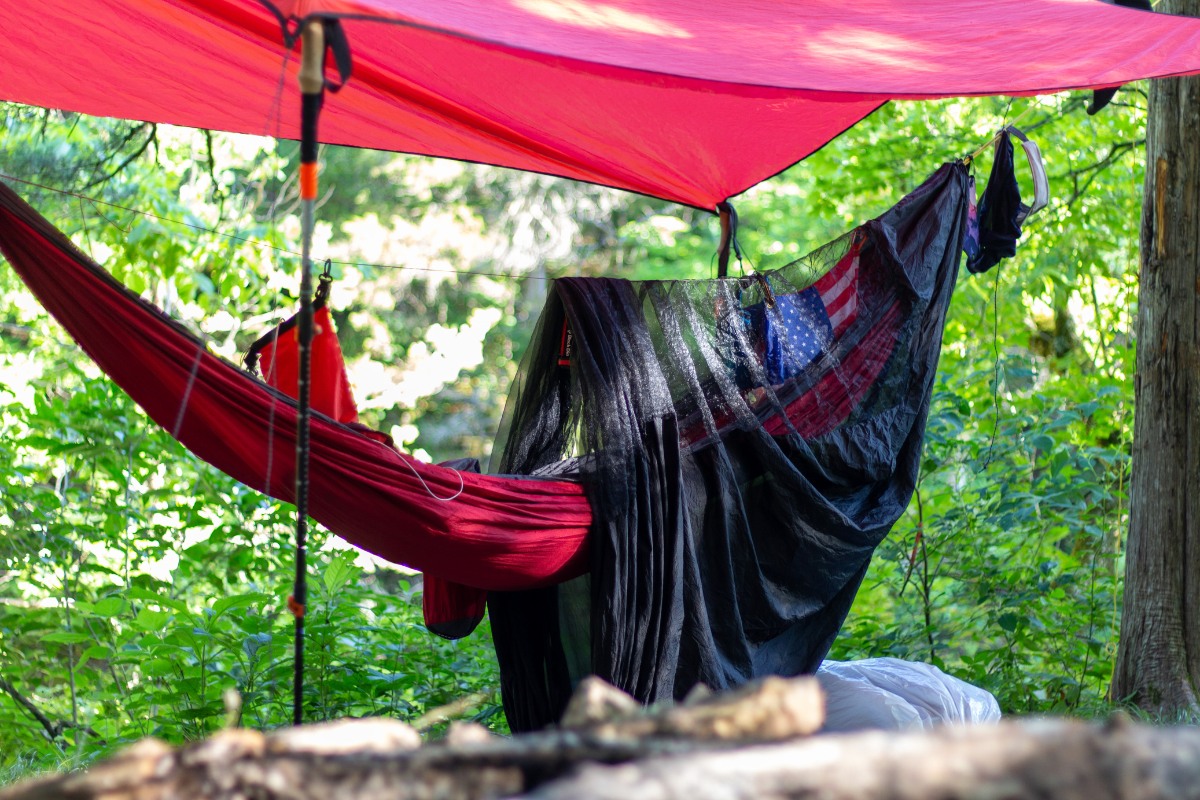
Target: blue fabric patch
{"points": [[971, 239], [794, 333]]}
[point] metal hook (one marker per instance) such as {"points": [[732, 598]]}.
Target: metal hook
{"points": [[768, 295], [324, 281]]}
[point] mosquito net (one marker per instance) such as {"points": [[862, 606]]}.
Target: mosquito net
{"points": [[745, 444]]}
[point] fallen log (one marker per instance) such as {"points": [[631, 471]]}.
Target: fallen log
{"points": [[749, 744], [1024, 760]]}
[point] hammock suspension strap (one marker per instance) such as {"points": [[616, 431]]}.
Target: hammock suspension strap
{"points": [[729, 222]]}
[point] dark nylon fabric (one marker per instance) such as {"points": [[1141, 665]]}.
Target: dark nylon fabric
{"points": [[1102, 97], [736, 510], [999, 211]]}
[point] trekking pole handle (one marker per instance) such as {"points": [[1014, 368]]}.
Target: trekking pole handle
{"points": [[312, 57]]}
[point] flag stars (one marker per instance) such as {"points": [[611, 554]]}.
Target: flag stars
{"points": [[802, 325]]}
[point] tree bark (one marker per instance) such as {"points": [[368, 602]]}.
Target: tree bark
{"points": [[381, 760], [1027, 760], [1158, 661]]}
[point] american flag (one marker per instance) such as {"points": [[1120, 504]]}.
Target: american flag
{"points": [[838, 289], [804, 324]]}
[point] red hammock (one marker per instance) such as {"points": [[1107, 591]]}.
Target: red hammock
{"points": [[520, 533], [468, 533]]}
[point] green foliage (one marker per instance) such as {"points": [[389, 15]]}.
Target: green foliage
{"points": [[149, 586], [1007, 568], [143, 593], [138, 587]]}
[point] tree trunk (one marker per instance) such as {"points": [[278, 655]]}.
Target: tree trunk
{"points": [[1158, 662]]}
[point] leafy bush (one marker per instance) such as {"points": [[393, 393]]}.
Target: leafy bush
{"points": [[115, 634]]}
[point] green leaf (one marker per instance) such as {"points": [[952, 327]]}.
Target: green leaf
{"points": [[1042, 442], [138, 593], [238, 601], [255, 642], [96, 651], [151, 621], [158, 667], [109, 607], [341, 571], [67, 637]]}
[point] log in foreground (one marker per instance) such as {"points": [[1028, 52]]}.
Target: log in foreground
{"points": [[1025, 760], [752, 743]]}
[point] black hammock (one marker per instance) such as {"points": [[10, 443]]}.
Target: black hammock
{"points": [[743, 443]]}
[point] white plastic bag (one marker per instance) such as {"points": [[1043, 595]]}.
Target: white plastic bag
{"points": [[891, 694]]}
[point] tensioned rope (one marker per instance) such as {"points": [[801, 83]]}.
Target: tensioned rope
{"points": [[258, 242], [95, 201], [275, 111]]}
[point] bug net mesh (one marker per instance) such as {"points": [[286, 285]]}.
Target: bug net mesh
{"points": [[745, 443]]}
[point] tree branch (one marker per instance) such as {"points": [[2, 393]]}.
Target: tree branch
{"points": [[53, 729], [1069, 106], [1092, 171], [217, 194], [151, 139], [15, 331], [377, 759]]}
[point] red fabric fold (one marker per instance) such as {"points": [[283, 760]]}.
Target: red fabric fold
{"points": [[450, 609], [278, 358]]}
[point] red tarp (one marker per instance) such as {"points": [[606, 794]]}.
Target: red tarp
{"points": [[684, 100]]}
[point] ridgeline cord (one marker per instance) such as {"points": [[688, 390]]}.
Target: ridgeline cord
{"points": [[275, 112], [987, 461]]}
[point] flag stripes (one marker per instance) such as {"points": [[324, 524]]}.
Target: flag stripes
{"points": [[838, 289]]}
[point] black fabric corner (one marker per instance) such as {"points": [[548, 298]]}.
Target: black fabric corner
{"points": [[1102, 97], [999, 210]]}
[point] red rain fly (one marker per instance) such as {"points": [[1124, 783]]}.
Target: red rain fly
{"points": [[687, 101]]}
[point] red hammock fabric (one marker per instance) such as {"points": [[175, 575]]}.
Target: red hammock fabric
{"points": [[451, 609], [520, 533], [687, 101]]}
